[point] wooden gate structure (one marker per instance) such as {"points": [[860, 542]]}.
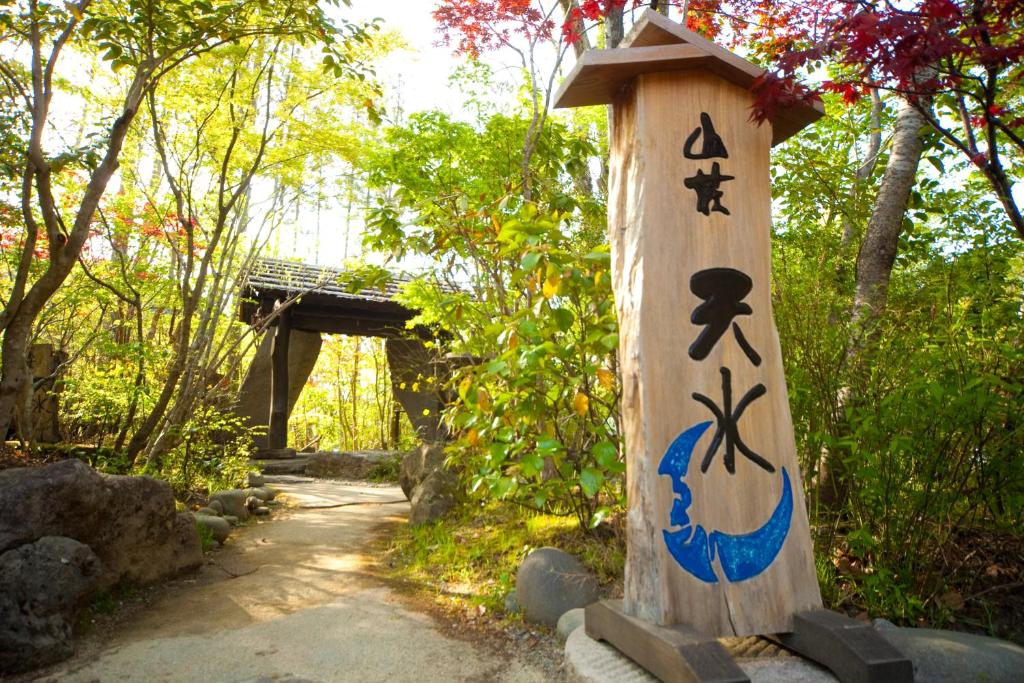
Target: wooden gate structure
{"points": [[718, 542], [307, 301]]}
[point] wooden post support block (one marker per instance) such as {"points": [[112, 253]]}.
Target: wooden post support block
{"points": [[854, 651], [677, 654], [717, 530]]}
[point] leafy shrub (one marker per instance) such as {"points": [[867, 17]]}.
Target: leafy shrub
{"points": [[538, 422], [212, 454]]}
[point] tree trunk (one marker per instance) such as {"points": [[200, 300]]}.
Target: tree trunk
{"points": [[874, 268]]}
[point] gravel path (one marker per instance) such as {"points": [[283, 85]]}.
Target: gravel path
{"points": [[292, 599]]}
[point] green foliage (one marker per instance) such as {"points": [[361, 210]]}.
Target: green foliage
{"points": [[385, 471], [934, 443], [474, 556], [212, 453], [206, 540], [537, 420]]}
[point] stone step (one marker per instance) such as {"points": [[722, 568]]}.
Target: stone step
{"points": [[296, 465], [275, 454]]}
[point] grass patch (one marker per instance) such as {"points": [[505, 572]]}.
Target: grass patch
{"points": [[472, 558], [385, 471]]}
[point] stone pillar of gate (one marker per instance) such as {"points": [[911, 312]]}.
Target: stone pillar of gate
{"points": [[253, 404], [416, 382]]}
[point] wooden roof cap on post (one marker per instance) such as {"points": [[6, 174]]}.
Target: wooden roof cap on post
{"points": [[656, 43]]}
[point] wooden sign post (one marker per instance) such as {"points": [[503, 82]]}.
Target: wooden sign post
{"points": [[718, 539]]}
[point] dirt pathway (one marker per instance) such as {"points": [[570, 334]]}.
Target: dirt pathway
{"points": [[291, 599]]}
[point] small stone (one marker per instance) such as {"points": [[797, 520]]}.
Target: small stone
{"points": [[209, 512], [261, 511], [218, 527], [264, 493], [216, 506], [233, 502], [569, 622], [511, 603], [232, 520], [254, 480], [252, 502], [551, 582]]}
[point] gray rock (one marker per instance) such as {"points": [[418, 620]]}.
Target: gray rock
{"points": [[218, 527], [67, 498], [345, 465], [569, 622], [953, 657], [264, 493], [511, 603], [233, 502], [42, 584], [254, 480], [209, 512], [129, 522], [144, 539], [261, 511], [232, 520], [216, 506], [252, 502], [433, 498], [551, 582], [418, 464]]}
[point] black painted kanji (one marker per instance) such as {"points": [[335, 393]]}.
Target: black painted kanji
{"points": [[727, 427], [723, 291], [709, 197], [712, 145]]}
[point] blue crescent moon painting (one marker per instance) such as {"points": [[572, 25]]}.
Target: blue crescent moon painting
{"points": [[741, 556]]}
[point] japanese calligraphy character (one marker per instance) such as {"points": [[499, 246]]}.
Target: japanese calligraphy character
{"points": [[726, 426], [712, 144], [706, 186], [723, 291]]}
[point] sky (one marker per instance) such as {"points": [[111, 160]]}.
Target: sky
{"points": [[415, 79]]}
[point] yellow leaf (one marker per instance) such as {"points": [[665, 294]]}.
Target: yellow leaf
{"points": [[606, 377], [76, 12], [597, 278], [513, 340], [473, 437], [465, 386], [484, 400], [581, 403], [551, 286]]}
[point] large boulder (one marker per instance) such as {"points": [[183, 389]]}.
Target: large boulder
{"points": [[143, 538], [551, 582], [42, 584], [129, 522], [433, 498], [418, 464], [67, 498]]}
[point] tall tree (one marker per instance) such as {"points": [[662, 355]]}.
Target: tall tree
{"points": [[145, 41]]}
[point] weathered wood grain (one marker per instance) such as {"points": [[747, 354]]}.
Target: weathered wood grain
{"points": [[854, 651], [673, 654], [659, 241]]}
